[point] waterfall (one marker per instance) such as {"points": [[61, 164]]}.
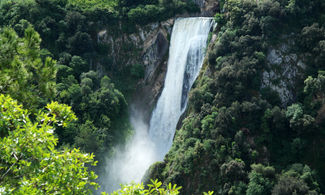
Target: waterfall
{"points": [[186, 54]]}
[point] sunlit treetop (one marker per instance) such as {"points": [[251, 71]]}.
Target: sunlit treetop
{"points": [[29, 161]]}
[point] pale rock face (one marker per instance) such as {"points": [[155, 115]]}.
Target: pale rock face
{"points": [[207, 7], [282, 71], [101, 35], [151, 42], [149, 45], [155, 47], [154, 54]]}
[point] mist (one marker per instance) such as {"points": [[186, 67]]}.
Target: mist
{"points": [[130, 162], [148, 145]]}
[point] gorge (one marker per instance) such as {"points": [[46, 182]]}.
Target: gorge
{"points": [[143, 93], [150, 143]]}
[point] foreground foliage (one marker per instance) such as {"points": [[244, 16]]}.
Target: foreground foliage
{"points": [[29, 161], [155, 188]]}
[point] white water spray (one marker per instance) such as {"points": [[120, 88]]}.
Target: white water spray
{"points": [[186, 54], [130, 163]]}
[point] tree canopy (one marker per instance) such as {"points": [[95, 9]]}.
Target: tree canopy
{"points": [[29, 160]]}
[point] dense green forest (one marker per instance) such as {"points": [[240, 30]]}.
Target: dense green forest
{"points": [[238, 135]]}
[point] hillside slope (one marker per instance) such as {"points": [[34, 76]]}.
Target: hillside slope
{"points": [[255, 122]]}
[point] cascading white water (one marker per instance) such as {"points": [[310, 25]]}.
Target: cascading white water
{"points": [[130, 163], [186, 54]]}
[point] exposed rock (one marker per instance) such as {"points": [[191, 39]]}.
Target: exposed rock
{"points": [[283, 70], [101, 35], [153, 55], [147, 93], [151, 42], [149, 47], [208, 7]]}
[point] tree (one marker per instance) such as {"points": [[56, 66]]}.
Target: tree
{"points": [[89, 138], [298, 120], [299, 179], [261, 180], [78, 65], [315, 87], [233, 170], [29, 161], [23, 73]]}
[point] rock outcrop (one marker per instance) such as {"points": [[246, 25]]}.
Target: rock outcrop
{"points": [[208, 8], [148, 46], [284, 69]]}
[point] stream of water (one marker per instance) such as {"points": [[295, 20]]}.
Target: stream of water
{"points": [[150, 143]]}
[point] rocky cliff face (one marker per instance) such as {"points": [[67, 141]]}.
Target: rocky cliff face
{"points": [[147, 47], [284, 69], [208, 8]]}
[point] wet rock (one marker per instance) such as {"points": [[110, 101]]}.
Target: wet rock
{"points": [[154, 54]]}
